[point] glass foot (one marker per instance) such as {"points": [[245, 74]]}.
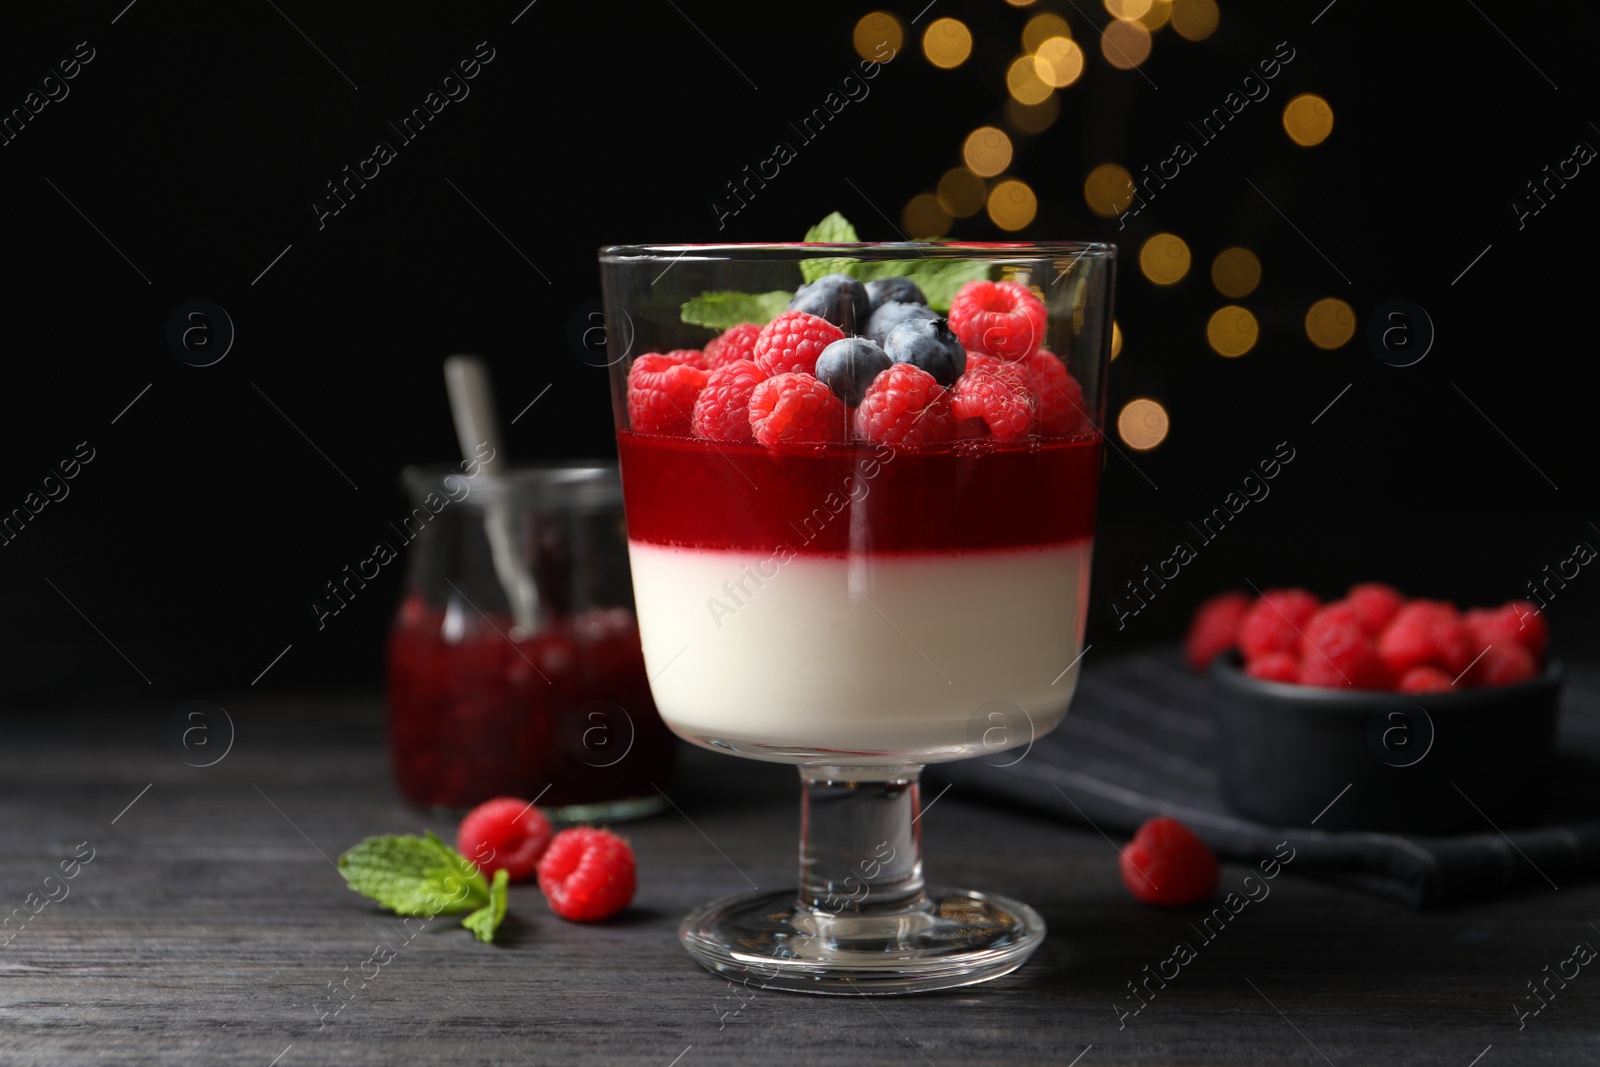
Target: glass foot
{"points": [[941, 939]]}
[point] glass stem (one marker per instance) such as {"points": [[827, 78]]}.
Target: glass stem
{"points": [[860, 846]]}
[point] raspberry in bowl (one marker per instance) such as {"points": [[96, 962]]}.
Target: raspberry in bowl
{"points": [[882, 563], [1418, 717]]}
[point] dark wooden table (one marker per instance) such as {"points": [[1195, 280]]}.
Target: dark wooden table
{"points": [[211, 924]]}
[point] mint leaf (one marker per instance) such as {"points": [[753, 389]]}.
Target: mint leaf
{"points": [[419, 876], [721, 310], [486, 920], [835, 229], [939, 279]]}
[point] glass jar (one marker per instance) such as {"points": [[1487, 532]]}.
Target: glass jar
{"points": [[514, 664]]}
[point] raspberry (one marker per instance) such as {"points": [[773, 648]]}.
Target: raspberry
{"points": [[1273, 622], [1516, 623], [1004, 319], [504, 833], [999, 402], [792, 342], [1060, 397], [722, 411], [1166, 863], [1425, 632], [1503, 665], [1214, 629], [1275, 667], [1535, 631], [587, 874], [1425, 680], [904, 405], [1338, 653], [661, 394], [734, 343], [690, 357], [1375, 604], [793, 409]]}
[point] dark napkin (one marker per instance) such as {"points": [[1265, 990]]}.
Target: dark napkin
{"points": [[1137, 743]]}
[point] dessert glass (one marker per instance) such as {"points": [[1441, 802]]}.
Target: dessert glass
{"points": [[859, 609]]}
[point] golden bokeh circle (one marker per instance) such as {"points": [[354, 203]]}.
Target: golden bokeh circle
{"points": [[874, 30], [1330, 323], [1232, 331], [1116, 339], [1128, 9], [1236, 272], [924, 217], [1020, 3], [1164, 259], [947, 43], [1012, 204], [1058, 62], [1142, 424], [1308, 119], [987, 151], [1195, 20], [961, 192], [1024, 83], [1108, 190], [1158, 15], [1033, 118], [1041, 28], [1125, 44]]}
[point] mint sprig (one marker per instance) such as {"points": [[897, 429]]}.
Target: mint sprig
{"points": [[835, 229], [720, 310], [424, 877]]}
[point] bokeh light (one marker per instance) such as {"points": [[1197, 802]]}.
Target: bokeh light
{"points": [[925, 217], [961, 192], [987, 151], [1116, 339], [1024, 83], [1020, 3], [1108, 190], [1058, 62], [1236, 272], [1195, 20], [1125, 44], [1164, 259], [1158, 15], [1330, 323], [1012, 204], [1232, 331], [1142, 424], [1308, 119], [1033, 118], [947, 43], [874, 30], [1041, 28], [1127, 9]]}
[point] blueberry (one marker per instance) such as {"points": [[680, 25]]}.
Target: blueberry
{"points": [[899, 290], [839, 298], [892, 314], [928, 344], [848, 367]]}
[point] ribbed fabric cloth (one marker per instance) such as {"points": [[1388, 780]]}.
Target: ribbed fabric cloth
{"points": [[1137, 743]]}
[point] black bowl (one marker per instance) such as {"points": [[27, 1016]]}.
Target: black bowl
{"points": [[1424, 763]]}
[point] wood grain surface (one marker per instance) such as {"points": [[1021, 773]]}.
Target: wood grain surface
{"points": [[210, 925]]}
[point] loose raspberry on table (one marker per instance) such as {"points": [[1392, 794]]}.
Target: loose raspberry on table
{"points": [[1425, 632], [1375, 603], [587, 874], [1274, 622], [999, 403], [1167, 864], [661, 394], [1425, 679], [1060, 397], [792, 342], [1001, 319], [504, 834], [722, 410], [1339, 654], [905, 405], [1275, 667], [731, 345], [795, 408], [1214, 629], [1503, 665]]}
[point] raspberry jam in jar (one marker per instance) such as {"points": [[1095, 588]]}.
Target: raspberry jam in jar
{"points": [[514, 665]]}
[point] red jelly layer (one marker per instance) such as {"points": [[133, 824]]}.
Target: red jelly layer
{"points": [[857, 498]]}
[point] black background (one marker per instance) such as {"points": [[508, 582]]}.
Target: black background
{"points": [[197, 138]]}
